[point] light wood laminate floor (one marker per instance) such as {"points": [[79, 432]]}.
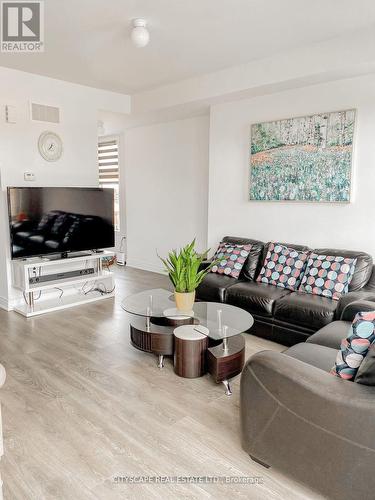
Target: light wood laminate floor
{"points": [[81, 406]]}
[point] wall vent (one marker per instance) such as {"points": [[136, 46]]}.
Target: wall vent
{"points": [[43, 113]]}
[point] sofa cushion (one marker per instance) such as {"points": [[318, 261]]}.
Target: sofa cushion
{"points": [[366, 372], [305, 309], [328, 275], [257, 298], [316, 355], [331, 335], [213, 287], [355, 346], [283, 267], [230, 259], [363, 267], [299, 248], [252, 262]]}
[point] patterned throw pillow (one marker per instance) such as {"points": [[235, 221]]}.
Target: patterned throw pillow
{"points": [[232, 258], [354, 348], [283, 267], [328, 275]]}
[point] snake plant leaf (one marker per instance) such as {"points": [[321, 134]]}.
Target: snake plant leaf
{"points": [[184, 267]]}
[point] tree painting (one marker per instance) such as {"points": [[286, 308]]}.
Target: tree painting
{"points": [[303, 159]]}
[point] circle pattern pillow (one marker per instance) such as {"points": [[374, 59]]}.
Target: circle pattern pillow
{"points": [[231, 259], [283, 266], [328, 275], [355, 346]]}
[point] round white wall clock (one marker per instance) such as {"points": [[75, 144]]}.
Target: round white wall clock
{"points": [[50, 146]]}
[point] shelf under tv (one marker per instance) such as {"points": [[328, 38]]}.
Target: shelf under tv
{"points": [[52, 305], [69, 292]]}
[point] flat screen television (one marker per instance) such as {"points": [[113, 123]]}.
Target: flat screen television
{"points": [[59, 220]]}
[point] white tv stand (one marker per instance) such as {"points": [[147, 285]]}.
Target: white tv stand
{"points": [[73, 290]]}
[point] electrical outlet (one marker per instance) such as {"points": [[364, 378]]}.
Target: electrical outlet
{"points": [[29, 176]]}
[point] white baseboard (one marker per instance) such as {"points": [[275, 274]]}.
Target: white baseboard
{"points": [[145, 266], [5, 304]]}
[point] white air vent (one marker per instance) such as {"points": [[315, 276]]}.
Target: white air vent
{"points": [[43, 113]]}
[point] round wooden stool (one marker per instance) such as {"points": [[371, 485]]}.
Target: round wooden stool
{"points": [[190, 351]]}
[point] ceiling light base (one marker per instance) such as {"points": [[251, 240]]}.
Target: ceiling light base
{"points": [[140, 35]]}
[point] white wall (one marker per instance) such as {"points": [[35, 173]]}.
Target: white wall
{"points": [[347, 55], [18, 142], [165, 167], [166, 178], [336, 225]]}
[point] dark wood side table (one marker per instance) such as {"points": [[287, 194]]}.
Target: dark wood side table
{"points": [[190, 351], [219, 348], [226, 360], [156, 336]]}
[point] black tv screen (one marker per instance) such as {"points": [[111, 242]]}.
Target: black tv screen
{"points": [[52, 220]]}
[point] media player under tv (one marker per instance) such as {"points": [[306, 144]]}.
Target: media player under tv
{"points": [[60, 276]]}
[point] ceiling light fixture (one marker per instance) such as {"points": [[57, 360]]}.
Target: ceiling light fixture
{"points": [[140, 35]]}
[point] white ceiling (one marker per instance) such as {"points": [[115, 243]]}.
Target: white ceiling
{"points": [[87, 41]]}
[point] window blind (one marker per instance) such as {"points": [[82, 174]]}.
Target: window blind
{"points": [[108, 162], [109, 177]]}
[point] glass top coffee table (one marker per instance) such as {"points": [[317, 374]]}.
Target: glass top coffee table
{"points": [[155, 319]]}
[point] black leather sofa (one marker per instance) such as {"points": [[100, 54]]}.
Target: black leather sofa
{"points": [[58, 231], [298, 418], [282, 315]]}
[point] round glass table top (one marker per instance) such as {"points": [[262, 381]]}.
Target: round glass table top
{"points": [[222, 320], [150, 303]]}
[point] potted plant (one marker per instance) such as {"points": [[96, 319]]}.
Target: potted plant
{"points": [[183, 268]]}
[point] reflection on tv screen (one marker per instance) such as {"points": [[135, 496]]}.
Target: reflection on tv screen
{"points": [[59, 220]]}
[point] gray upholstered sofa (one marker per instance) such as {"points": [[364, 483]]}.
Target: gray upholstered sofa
{"points": [[307, 423]]}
